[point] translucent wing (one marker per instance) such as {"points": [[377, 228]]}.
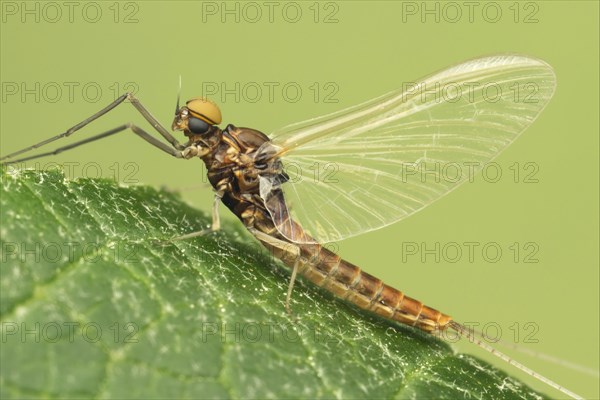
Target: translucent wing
{"points": [[371, 165]]}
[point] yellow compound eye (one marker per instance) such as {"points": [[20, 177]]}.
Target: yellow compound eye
{"points": [[205, 110]]}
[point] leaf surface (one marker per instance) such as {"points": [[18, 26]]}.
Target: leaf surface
{"points": [[92, 307]]}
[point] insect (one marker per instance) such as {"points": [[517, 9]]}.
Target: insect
{"points": [[372, 153]]}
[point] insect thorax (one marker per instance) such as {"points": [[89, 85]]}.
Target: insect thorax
{"points": [[233, 169]]}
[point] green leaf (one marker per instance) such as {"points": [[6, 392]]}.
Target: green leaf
{"points": [[91, 306]]}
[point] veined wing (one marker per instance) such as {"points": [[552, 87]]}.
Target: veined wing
{"points": [[376, 163]]}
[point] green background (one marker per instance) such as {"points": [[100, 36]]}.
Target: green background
{"points": [[363, 50]]}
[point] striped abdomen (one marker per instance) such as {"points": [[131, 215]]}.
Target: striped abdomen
{"points": [[347, 281]]}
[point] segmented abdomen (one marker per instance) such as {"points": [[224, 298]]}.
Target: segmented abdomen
{"points": [[347, 281]]}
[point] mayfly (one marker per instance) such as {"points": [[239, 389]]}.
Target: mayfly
{"points": [[462, 116]]}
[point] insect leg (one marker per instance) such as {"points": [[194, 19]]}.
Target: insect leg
{"points": [[288, 297], [137, 130], [215, 226], [291, 251], [134, 101], [154, 122], [69, 131]]}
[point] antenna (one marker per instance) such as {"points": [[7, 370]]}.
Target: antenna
{"points": [[178, 96], [464, 332]]}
